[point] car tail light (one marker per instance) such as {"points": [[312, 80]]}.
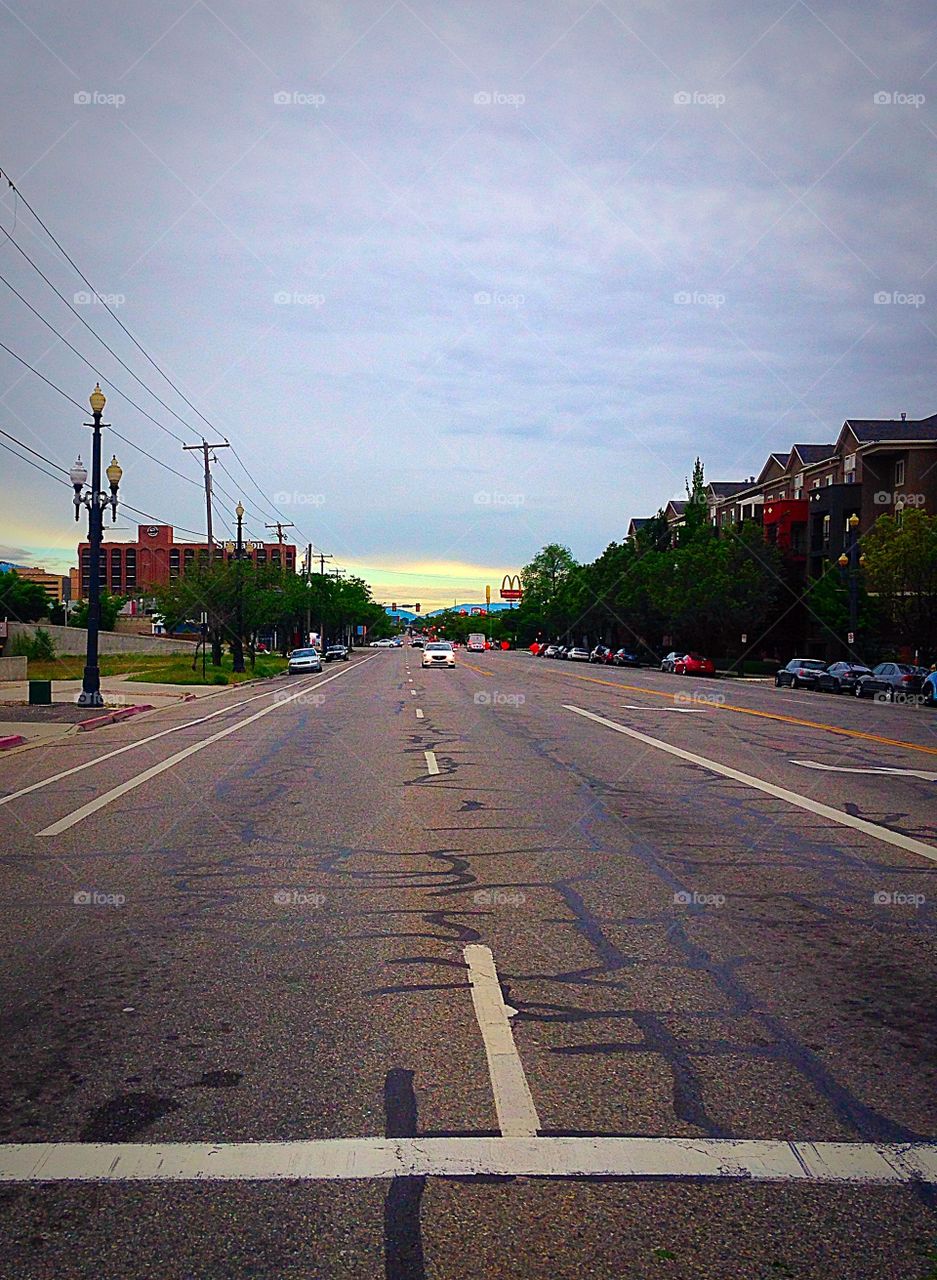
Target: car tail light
{"points": [[906, 679]]}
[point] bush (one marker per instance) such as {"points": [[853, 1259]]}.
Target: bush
{"points": [[39, 647], [219, 679]]}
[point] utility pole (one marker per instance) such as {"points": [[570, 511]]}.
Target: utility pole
{"points": [[280, 526], [307, 578], [205, 448], [323, 556]]}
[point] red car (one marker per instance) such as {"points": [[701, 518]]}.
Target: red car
{"points": [[694, 664]]}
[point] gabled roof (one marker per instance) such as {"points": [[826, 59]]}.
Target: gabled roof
{"points": [[638, 522], [726, 488], [777, 461], [891, 430], [676, 505], [810, 453]]}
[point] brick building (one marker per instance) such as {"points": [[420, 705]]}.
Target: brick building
{"points": [[155, 559]]}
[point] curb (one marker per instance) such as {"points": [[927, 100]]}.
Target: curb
{"points": [[96, 722], [14, 740]]}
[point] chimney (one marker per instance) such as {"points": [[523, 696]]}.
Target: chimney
{"points": [[904, 417]]}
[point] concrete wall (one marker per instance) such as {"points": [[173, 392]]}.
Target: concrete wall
{"points": [[13, 668], [75, 639]]}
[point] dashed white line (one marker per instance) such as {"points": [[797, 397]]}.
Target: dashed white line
{"points": [[413, 693], [78, 815], [332, 1159], [517, 1115], [419, 713], [872, 829], [432, 767]]}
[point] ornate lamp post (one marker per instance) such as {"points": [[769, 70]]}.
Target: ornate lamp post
{"points": [[850, 559], [237, 646], [95, 500]]}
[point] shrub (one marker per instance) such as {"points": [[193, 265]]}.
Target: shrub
{"points": [[39, 647], [219, 679]]}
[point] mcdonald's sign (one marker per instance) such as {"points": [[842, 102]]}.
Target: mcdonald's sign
{"points": [[511, 587]]}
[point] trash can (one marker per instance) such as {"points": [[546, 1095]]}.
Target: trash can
{"points": [[40, 693]]}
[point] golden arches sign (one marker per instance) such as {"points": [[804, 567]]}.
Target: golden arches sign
{"points": [[511, 587]]}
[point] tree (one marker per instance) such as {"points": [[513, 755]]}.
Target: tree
{"points": [[899, 561], [696, 509], [110, 608], [21, 601]]}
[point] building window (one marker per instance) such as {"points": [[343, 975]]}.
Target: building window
{"points": [[261, 555], [115, 570], [188, 557], [816, 484], [798, 486], [85, 570], [173, 564], [130, 577], [850, 477], [899, 473], [829, 481], [826, 533], [849, 462]]}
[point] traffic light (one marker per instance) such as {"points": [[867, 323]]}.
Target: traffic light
{"points": [[416, 607]]}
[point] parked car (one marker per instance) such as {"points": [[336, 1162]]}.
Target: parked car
{"points": [[929, 688], [667, 663], [601, 653], [800, 673], [562, 651], [336, 653], [549, 651], [304, 661], [438, 654], [893, 679], [578, 654], [694, 664], [625, 658], [841, 677]]}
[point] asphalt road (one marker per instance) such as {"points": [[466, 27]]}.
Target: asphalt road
{"points": [[710, 907]]}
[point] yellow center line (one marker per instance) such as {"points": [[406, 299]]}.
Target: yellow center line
{"points": [[471, 666], [764, 715]]}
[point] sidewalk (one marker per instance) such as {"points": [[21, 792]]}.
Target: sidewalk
{"points": [[22, 725]]}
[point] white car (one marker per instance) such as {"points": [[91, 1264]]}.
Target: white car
{"points": [[438, 653], [382, 644], [305, 660]]}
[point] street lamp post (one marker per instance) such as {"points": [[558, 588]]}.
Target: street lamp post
{"points": [[850, 560], [95, 500], [237, 645]]}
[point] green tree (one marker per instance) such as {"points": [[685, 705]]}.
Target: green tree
{"points": [[21, 601], [899, 563], [110, 608]]}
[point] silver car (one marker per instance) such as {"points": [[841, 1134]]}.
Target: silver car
{"points": [[304, 660]]}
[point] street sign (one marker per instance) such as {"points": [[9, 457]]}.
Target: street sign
{"points": [[851, 638]]}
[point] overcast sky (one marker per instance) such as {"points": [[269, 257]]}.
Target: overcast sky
{"points": [[458, 279]]}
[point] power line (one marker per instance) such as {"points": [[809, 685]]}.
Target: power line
{"points": [[75, 267], [133, 445], [89, 363], [80, 318]]}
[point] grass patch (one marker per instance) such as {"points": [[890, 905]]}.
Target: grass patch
{"points": [[156, 668]]}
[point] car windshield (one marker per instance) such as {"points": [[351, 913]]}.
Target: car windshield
{"points": [[442, 645], [304, 653], [812, 664]]}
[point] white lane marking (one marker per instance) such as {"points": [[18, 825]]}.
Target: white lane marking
{"points": [[841, 768], [138, 780], [431, 766], [413, 693], [341, 1158], [419, 713], [517, 1115], [780, 793], [141, 742], [681, 711], [410, 680]]}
